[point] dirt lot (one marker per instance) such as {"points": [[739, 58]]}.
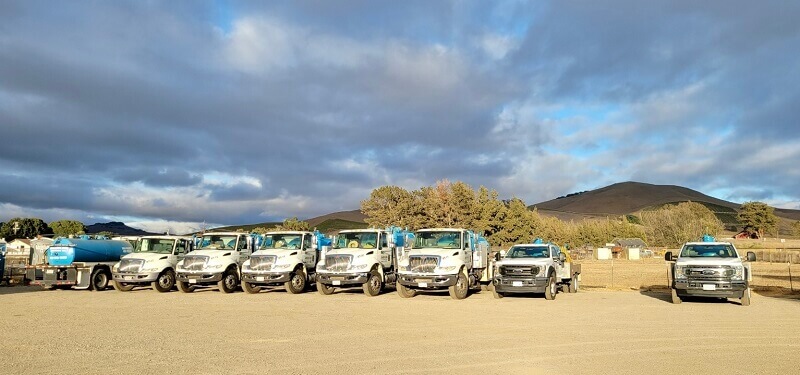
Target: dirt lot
{"points": [[595, 331]]}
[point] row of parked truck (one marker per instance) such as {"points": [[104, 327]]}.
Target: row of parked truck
{"points": [[455, 259]]}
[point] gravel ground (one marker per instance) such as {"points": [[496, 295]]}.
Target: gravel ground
{"points": [[595, 331]]}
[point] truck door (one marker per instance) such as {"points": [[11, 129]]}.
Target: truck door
{"points": [[309, 253], [181, 247], [559, 265], [244, 248], [466, 250], [386, 251]]}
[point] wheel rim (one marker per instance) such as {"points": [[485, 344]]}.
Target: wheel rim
{"points": [[99, 279], [165, 281], [552, 286], [375, 283], [461, 286], [230, 281], [297, 281]]}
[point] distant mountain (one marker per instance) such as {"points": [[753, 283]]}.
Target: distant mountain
{"points": [[115, 227], [328, 223]]}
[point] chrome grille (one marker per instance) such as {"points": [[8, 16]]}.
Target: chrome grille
{"points": [[519, 270], [338, 263], [262, 262], [423, 263], [709, 272], [130, 265], [195, 262]]}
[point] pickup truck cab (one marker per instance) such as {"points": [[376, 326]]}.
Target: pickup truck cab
{"points": [[535, 268], [710, 269]]}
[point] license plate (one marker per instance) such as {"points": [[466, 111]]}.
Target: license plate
{"points": [[260, 278], [423, 285], [127, 277], [50, 271], [709, 287], [192, 281], [516, 283], [337, 282]]}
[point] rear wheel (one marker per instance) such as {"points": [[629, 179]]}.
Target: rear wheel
{"points": [[228, 282], [746, 297], [164, 282], [676, 299], [185, 287], [460, 289], [404, 291], [573, 284], [374, 285], [551, 290], [324, 289], [251, 288], [122, 287], [297, 282], [99, 280]]}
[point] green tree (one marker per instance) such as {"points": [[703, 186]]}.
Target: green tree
{"points": [[106, 233], [23, 228], [389, 205], [758, 217], [673, 225], [262, 230], [293, 224], [796, 228], [64, 228]]}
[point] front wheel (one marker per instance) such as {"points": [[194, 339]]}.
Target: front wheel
{"points": [[676, 299], [324, 289], [550, 292], [573, 284], [251, 288], [405, 292], [98, 280], [374, 285], [185, 287], [746, 297], [164, 282], [228, 282], [497, 295], [461, 287], [297, 282], [122, 287]]}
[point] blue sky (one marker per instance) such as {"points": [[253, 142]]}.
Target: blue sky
{"points": [[170, 114]]}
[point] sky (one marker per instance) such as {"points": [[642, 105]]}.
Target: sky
{"points": [[170, 114]]}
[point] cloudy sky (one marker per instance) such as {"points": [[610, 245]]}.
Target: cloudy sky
{"points": [[168, 114]]}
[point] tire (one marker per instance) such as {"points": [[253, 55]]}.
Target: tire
{"points": [[573, 284], [164, 282], [297, 282], [551, 290], [250, 288], [98, 280], [185, 287], [324, 289], [564, 288], [746, 297], [461, 287], [497, 295], [676, 299], [122, 287], [405, 292], [228, 282], [374, 285]]}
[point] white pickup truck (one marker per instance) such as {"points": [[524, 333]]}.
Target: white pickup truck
{"points": [[152, 263], [285, 258], [710, 269], [535, 268], [215, 261]]}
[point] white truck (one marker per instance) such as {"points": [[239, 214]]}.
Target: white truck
{"points": [[216, 261], [451, 258], [285, 258], [537, 267], [152, 263], [709, 269], [365, 258]]}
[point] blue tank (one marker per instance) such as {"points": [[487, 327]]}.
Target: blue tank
{"points": [[65, 251]]}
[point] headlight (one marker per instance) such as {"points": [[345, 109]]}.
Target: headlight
{"points": [[152, 269], [680, 272], [321, 266], [359, 267], [215, 266], [115, 267], [246, 266], [446, 269], [738, 273], [281, 266]]}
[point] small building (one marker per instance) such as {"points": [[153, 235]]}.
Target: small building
{"points": [[629, 248]]}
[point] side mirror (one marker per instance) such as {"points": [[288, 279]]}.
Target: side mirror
{"points": [[497, 256], [668, 256], [562, 257], [502, 253], [751, 256]]}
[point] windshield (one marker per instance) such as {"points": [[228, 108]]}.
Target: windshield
{"points": [[362, 240], [528, 252], [218, 242], [442, 240], [154, 245], [708, 251], [282, 241]]}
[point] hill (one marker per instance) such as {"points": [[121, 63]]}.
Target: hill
{"points": [[115, 227], [328, 223]]}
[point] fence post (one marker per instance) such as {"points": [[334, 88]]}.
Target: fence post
{"points": [[791, 286]]}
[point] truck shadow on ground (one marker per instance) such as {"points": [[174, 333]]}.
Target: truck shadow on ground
{"points": [[778, 292], [663, 294], [18, 289]]}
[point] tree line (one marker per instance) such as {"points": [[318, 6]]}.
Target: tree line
{"points": [[20, 227]]}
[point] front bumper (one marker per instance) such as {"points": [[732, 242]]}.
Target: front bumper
{"points": [[520, 285], [135, 278], [198, 277], [426, 281], [337, 279], [710, 288], [266, 278]]}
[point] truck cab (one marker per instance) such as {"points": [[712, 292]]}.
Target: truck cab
{"points": [[536, 267], [363, 258], [455, 259], [215, 261], [710, 269], [152, 263], [285, 258]]}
